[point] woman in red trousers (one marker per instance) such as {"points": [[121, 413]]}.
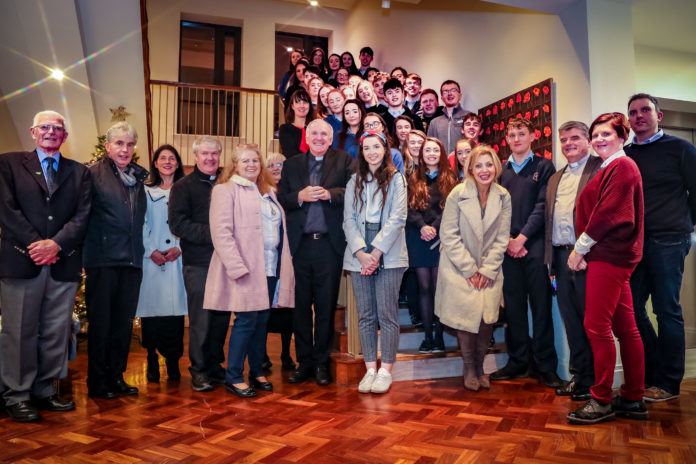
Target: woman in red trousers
{"points": [[609, 224]]}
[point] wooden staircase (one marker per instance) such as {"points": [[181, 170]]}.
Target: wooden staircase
{"points": [[347, 364]]}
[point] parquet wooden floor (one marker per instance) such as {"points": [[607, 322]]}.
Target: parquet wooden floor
{"points": [[417, 422]]}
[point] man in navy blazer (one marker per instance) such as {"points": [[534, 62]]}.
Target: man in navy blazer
{"points": [[44, 206], [311, 190]]}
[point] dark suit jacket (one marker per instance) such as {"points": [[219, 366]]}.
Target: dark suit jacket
{"points": [[29, 212], [335, 173], [591, 168], [391, 120]]}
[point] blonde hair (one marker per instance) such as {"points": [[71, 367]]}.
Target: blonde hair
{"points": [[274, 157], [478, 152], [264, 182]]}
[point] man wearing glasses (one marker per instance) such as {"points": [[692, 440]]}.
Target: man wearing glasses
{"points": [[44, 207], [448, 127]]}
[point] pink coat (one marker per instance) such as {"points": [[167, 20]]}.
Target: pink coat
{"points": [[237, 273]]}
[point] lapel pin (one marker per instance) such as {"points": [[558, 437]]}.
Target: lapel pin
{"points": [[38, 173]]}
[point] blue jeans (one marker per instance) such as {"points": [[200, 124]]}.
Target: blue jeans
{"points": [[248, 338], [659, 276]]}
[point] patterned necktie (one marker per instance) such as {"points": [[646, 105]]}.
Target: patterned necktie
{"points": [[50, 172]]}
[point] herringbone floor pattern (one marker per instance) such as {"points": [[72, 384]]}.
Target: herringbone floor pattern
{"points": [[417, 422]]}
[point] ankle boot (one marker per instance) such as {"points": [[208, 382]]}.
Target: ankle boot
{"points": [[471, 381], [173, 373], [153, 373]]}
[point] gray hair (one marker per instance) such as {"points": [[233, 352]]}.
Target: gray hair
{"points": [[209, 139], [38, 115], [566, 126], [315, 122], [121, 128]]}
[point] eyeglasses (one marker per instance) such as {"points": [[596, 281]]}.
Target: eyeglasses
{"points": [[450, 91], [48, 127], [275, 165], [372, 125]]}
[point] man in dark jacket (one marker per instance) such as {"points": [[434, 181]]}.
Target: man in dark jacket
{"points": [[311, 190], [189, 205], [44, 205], [113, 258], [667, 165], [526, 284]]}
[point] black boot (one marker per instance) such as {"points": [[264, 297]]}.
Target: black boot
{"points": [[173, 372], [153, 374]]}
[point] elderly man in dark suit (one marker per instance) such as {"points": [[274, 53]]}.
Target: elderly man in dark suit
{"points": [[562, 191], [311, 190], [44, 206]]}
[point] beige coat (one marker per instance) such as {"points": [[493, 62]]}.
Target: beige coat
{"points": [[471, 244]]}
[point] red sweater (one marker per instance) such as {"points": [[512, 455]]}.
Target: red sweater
{"points": [[610, 211]]}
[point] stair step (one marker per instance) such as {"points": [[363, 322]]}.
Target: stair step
{"points": [[411, 340], [412, 365]]}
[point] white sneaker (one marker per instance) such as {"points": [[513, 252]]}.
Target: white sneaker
{"points": [[365, 385], [382, 382]]}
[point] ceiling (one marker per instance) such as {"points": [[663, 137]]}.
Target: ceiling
{"points": [[667, 25]]}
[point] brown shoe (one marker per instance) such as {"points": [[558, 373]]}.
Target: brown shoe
{"points": [[658, 395], [592, 412]]}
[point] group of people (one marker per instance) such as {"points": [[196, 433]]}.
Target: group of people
{"points": [[268, 237]]}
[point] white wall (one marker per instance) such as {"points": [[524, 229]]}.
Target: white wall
{"points": [[259, 20], [45, 35], [666, 73], [116, 75], [59, 33], [612, 60], [490, 54]]}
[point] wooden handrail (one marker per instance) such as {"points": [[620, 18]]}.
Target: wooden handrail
{"points": [[181, 111], [213, 87]]}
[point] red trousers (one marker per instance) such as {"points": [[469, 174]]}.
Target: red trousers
{"points": [[609, 307]]}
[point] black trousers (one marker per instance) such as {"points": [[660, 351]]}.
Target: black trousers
{"points": [[410, 284], [164, 334], [111, 294], [207, 329], [317, 279], [526, 285], [570, 293]]}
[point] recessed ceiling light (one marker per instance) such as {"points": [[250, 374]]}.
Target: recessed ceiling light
{"points": [[57, 74], [314, 2]]}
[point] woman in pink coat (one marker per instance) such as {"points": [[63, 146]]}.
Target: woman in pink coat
{"points": [[251, 268]]}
